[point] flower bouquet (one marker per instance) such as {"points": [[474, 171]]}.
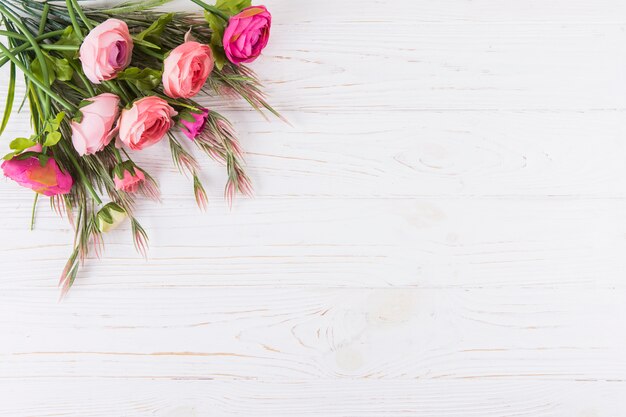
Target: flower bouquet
{"points": [[102, 84]]}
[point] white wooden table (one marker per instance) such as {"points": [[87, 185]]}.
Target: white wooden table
{"points": [[441, 232]]}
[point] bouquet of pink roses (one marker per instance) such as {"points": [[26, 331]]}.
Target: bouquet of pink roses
{"points": [[103, 84]]}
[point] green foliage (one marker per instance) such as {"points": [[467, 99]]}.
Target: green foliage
{"points": [[19, 144], [69, 37], [10, 97], [232, 7], [54, 123], [151, 36], [217, 26], [146, 79], [62, 68], [58, 68], [52, 139]]}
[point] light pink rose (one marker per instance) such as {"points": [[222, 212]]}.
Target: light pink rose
{"points": [[47, 180], [186, 69], [106, 50], [95, 130], [247, 34], [130, 182], [146, 122], [193, 129]]}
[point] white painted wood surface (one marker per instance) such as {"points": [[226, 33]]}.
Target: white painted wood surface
{"points": [[440, 233]]}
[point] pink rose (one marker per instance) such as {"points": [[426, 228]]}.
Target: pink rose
{"points": [[186, 69], [47, 180], [146, 122], [106, 50], [95, 130], [247, 34], [193, 129], [130, 182]]}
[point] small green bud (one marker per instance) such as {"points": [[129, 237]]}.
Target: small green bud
{"points": [[110, 216]]}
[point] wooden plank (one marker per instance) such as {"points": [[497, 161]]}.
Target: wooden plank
{"points": [[89, 397], [307, 334], [434, 243]]}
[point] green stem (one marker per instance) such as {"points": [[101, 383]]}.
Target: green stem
{"points": [[82, 175], [212, 9], [111, 85], [118, 156], [24, 38], [32, 215], [25, 46], [42, 22], [36, 80], [153, 54], [42, 61], [83, 78], [59, 47], [177, 103], [72, 15], [82, 15]]}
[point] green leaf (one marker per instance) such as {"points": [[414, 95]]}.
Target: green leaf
{"points": [[9, 156], [10, 97], [58, 68], [56, 122], [43, 159], [52, 139], [153, 33], [62, 68], [20, 144], [232, 7], [146, 79], [35, 68], [69, 37], [52, 125], [219, 56], [217, 26], [147, 44]]}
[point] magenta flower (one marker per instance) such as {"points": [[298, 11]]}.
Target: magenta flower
{"points": [[193, 129], [247, 34], [47, 179]]}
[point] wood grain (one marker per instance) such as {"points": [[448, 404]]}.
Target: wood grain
{"points": [[439, 231]]}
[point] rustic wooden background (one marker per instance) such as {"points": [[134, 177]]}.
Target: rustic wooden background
{"points": [[440, 232]]}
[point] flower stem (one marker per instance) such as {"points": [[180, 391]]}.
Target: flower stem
{"points": [[42, 23], [25, 46], [42, 61], [150, 52], [118, 156], [81, 173], [36, 80], [32, 215], [84, 79], [212, 9], [72, 15], [82, 15]]}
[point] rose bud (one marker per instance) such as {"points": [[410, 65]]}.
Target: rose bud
{"points": [[48, 179], [106, 50], [247, 34], [127, 177], [193, 123], [186, 69], [110, 216], [146, 122], [95, 129]]}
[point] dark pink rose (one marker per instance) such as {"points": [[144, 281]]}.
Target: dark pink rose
{"points": [[193, 129], [247, 34]]}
